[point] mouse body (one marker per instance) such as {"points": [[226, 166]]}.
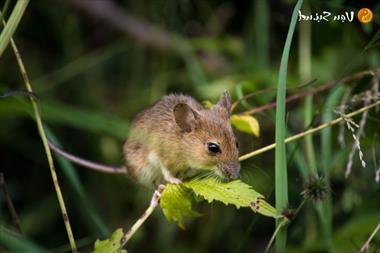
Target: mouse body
{"points": [[177, 137]]}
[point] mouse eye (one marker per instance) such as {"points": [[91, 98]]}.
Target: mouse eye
{"points": [[213, 148]]}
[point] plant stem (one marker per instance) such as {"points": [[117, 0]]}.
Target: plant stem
{"points": [[46, 147], [281, 174], [153, 203], [365, 247], [14, 20], [318, 89], [310, 131], [11, 207]]}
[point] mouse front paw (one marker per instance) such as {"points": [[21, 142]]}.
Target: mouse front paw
{"points": [[173, 180]]}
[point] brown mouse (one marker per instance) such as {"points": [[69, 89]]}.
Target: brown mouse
{"points": [[175, 139]]}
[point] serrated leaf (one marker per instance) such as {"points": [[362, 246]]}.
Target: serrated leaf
{"points": [[111, 245], [176, 204], [235, 193], [246, 123]]}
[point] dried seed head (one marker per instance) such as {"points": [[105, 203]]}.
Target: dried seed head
{"points": [[315, 188]]}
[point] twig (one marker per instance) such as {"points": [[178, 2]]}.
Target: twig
{"points": [[318, 89], [153, 204], [46, 146], [310, 131], [11, 207], [365, 247], [120, 19], [283, 223]]}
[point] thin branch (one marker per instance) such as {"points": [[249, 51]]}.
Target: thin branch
{"points": [[45, 144], [130, 25], [11, 207], [310, 131], [153, 204], [365, 247], [318, 89]]}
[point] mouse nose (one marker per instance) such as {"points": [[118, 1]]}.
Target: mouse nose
{"points": [[231, 170]]}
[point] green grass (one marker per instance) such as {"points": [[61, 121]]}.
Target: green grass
{"points": [[13, 22], [281, 175]]}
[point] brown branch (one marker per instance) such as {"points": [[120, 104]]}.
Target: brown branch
{"points": [[122, 20], [318, 89], [11, 207]]}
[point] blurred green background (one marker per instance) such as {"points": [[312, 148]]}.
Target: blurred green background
{"points": [[96, 63]]}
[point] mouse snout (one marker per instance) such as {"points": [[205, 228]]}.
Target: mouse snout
{"points": [[230, 170]]}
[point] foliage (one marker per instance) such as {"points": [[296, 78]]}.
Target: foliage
{"points": [[111, 245], [176, 201], [97, 71], [176, 204], [246, 123]]}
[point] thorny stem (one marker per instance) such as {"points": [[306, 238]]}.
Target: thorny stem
{"points": [[46, 147], [310, 131], [153, 204], [318, 89], [365, 247]]}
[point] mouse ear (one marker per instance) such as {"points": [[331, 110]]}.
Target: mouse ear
{"points": [[225, 101], [185, 116]]}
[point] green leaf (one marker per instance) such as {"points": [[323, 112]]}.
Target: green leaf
{"points": [[235, 193], [207, 104], [176, 204], [246, 123], [112, 245]]}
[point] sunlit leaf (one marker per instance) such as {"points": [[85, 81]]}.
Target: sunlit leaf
{"points": [[207, 104], [246, 123], [111, 245], [235, 193], [176, 204]]}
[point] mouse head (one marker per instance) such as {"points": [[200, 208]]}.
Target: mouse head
{"points": [[207, 137]]}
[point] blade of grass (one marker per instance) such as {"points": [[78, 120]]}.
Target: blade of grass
{"points": [[5, 9], [68, 115], [88, 211], [325, 208], [194, 69], [10, 27], [46, 147], [281, 177], [261, 28], [18, 243], [304, 58]]}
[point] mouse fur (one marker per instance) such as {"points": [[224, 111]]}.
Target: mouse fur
{"points": [[171, 141]]}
